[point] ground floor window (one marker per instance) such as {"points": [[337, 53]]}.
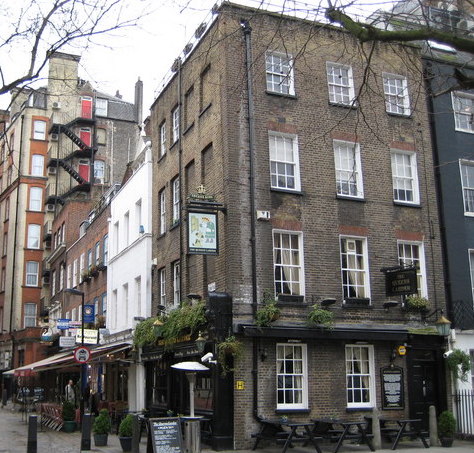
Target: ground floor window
{"points": [[292, 376], [360, 376]]}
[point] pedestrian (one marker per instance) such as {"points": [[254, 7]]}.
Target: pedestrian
{"points": [[70, 392]]}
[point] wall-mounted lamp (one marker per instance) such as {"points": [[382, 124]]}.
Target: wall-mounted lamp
{"points": [[263, 354], [390, 304], [193, 297], [200, 343], [443, 325]]}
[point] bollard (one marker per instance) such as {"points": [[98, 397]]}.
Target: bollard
{"points": [[434, 442], [32, 446], [377, 440], [136, 431], [86, 432], [4, 397]]}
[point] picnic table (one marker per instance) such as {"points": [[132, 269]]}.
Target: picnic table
{"points": [[395, 429], [339, 430], [274, 430]]}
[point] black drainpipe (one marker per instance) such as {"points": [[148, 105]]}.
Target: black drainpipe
{"points": [[251, 128]]}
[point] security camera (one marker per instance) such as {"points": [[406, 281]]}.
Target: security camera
{"points": [[447, 354], [207, 357]]}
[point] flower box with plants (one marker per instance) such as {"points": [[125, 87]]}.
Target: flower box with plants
{"points": [[268, 311], [319, 316], [228, 351], [101, 428], [125, 432], [416, 303], [446, 428]]}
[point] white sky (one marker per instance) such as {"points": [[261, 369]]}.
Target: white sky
{"points": [[148, 50]]}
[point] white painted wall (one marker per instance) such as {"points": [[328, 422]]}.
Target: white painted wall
{"points": [[129, 267]]}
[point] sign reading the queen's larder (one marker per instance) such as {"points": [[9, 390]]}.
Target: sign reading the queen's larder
{"points": [[400, 282]]}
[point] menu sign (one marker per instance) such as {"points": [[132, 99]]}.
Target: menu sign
{"points": [[164, 435], [392, 388]]}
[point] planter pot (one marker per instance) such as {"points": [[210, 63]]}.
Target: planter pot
{"points": [[100, 440], [126, 443], [446, 441], [69, 426]]}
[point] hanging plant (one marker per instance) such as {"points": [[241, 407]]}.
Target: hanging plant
{"points": [[417, 303], [228, 352], [144, 333], [459, 363], [268, 312], [320, 316]]}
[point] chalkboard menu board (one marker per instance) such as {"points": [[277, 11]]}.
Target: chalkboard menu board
{"points": [[392, 388], [164, 435]]}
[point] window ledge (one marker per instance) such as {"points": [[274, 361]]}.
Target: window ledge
{"points": [[281, 95], [291, 192], [174, 144], [348, 197], [407, 205], [359, 409], [290, 298], [464, 130], [161, 157], [292, 411], [344, 106], [204, 110], [188, 128], [399, 115], [175, 224], [161, 235]]}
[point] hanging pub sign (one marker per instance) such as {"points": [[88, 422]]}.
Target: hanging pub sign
{"points": [[89, 315], [400, 281], [202, 233], [392, 388]]}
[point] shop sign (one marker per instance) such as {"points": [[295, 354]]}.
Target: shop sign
{"points": [[67, 342], [46, 335], [89, 315], [90, 336], [400, 282], [202, 233], [63, 324], [392, 388]]}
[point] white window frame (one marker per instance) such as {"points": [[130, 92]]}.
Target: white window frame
{"points": [[176, 124], [176, 201], [74, 273], [36, 199], [467, 184], [105, 250], [69, 276], [341, 92], [176, 284], [406, 257], [99, 172], [53, 282], [97, 253], [32, 273], [61, 277], [404, 177], [291, 384], [29, 319], [34, 236], [279, 73], [101, 107], [39, 130], [284, 157], [163, 287], [163, 142], [163, 211], [359, 369], [138, 294], [463, 114], [471, 268], [37, 165], [291, 273], [357, 253], [348, 169], [82, 264], [397, 99]]}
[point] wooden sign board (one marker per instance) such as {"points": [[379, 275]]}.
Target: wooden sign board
{"points": [[392, 388], [164, 435]]}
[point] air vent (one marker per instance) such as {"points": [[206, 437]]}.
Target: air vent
{"points": [[50, 207], [54, 137], [52, 170], [56, 105]]}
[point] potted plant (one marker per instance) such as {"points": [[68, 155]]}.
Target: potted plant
{"points": [[446, 428], [268, 312], [125, 432], [320, 316], [227, 352], [459, 363], [101, 428], [416, 303], [69, 416]]}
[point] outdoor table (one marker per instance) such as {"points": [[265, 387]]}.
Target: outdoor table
{"points": [[402, 428], [273, 430], [340, 435]]}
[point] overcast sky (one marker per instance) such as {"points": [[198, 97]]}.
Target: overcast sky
{"points": [[147, 51]]}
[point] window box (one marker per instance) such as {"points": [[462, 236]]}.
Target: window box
{"points": [[284, 298], [356, 302]]}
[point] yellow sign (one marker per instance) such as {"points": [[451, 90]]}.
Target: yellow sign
{"points": [[402, 350], [239, 385]]}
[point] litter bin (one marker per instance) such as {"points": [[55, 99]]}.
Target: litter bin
{"points": [[192, 434]]}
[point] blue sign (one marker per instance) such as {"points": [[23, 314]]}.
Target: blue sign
{"points": [[89, 315], [62, 324]]}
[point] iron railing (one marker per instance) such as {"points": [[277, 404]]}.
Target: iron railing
{"points": [[464, 409]]}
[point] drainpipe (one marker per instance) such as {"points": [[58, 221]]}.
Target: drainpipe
{"points": [[247, 30], [180, 179], [15, 236]]}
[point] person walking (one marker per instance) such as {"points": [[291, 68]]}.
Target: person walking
{"points": [[70, 392]]}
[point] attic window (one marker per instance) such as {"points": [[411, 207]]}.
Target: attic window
{"points": [[101, 107]]}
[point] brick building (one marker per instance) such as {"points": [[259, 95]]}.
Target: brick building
{"points": [[315, 172]]}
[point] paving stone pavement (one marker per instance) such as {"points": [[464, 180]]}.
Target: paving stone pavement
{"points": [[14, 439]]}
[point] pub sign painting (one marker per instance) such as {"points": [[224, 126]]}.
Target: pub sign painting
{"points": [[401, 282], [202, 233]]}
